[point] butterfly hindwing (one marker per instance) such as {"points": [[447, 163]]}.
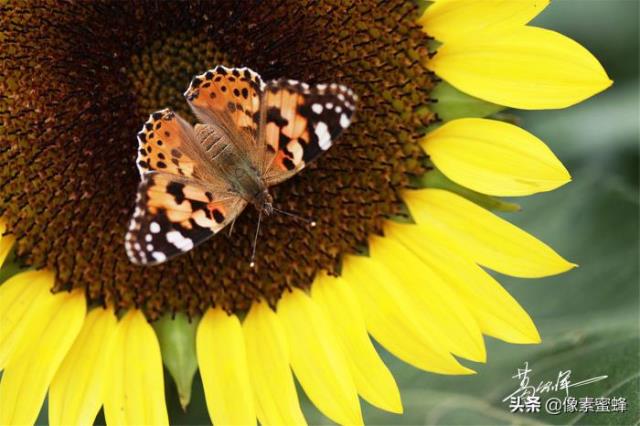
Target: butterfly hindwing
{"points": [[167, 143], [299, 122], [173, 214]]}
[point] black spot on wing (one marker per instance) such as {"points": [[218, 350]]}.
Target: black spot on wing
{"points": [[218, 216], [312, 149], [283, 141], [288, 163], [176, 189], [274, 116]]}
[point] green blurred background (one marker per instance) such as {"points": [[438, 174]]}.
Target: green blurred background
{"points": [[588, 318]]}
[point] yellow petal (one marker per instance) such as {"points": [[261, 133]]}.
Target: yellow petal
{"points": [[22, 299], [446, 319], [394, 317], [447, 20], [495, 158], [497, 313], [77, 390], [371, 376], [134, 393], [223, 366], [317, 358], [28, 374], [482, 236], [6, 242], [521, 67], [274, 391]]}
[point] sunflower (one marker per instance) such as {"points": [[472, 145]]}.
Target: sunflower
{"points": [[404, 235]]}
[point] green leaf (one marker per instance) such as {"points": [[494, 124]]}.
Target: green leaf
{"points": [[177, 343], [422, 6], [452, 103], [436, 179]]}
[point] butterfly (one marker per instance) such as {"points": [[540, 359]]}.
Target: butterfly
{"points": [[196, 180]]}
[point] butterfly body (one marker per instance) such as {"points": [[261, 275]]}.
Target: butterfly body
{"points": [[197, 180], [229, 163]]}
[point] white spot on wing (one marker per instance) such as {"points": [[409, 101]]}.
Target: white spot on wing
{"points": [[181, 242], [324, 138], [159, 256], [154, 227], [344, 121], [317, 108]]}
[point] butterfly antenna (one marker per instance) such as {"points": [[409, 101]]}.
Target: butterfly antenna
{"points": [[233, 222], [255, 242], [311, 222]]}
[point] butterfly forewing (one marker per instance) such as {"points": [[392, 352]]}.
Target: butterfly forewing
{"points": [[174, 214], [299, 122], [167, 143], [230, 98]]}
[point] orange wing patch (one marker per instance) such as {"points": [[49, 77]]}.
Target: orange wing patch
{"points": [[224, 93], [166, 144], [187, 203], [285, 125]]}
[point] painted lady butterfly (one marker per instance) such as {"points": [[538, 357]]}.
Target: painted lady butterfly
{"points": [[197, 180]]}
